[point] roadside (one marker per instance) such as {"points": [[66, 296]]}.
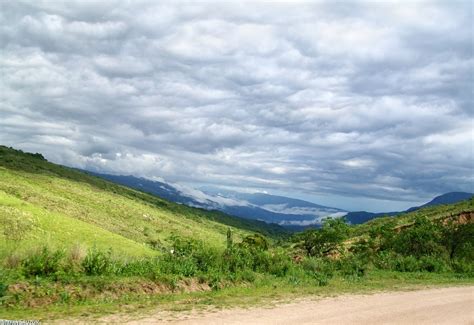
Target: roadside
{"points": [[431, 306]]}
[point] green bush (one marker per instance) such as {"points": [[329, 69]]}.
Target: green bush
{"points": [[463, 266], [43, 263], [3, 290], [97, 262], [255, 242], [236, 259], [352, 267], [321, 279], [280, 264], [406, 264], [422, 238], [247, 276], [322, 242], [318, 265], [178, 265], [433, 264]]}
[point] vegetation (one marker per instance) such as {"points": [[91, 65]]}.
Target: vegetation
{"points": [[99, 242]]}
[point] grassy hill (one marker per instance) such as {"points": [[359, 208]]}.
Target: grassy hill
{"points": [[44, 203], [437, 212], [67, 210]]}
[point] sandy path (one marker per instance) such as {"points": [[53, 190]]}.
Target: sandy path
{"points": [[432, 306]]}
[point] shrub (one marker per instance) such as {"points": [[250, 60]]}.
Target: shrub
{"points": [[433, 264], [406, 264], [463, 266], [12, 261], [247, 275], [280, 264], [178, 265], [459, 240], [3, 290], [352, 267], [97, 262], [255, 242], [422, 238], [324, 241], [321, 279], [43, 263], [237, 259]]}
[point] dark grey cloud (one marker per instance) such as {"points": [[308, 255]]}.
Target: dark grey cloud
{"points": [[346, 99]]}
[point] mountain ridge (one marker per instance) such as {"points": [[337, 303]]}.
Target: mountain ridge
{"points": [[294, 214]]}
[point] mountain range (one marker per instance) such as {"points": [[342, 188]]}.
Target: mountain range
{"points": [[291, 213]]}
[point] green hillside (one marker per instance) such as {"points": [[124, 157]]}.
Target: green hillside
{"points": [[434, 213], [57, 226], [43, 203]]}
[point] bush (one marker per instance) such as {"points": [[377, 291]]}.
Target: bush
{"points": [[352, 267], [247, 276], [463, 266], [97, 262], [3, 290], [237, 259], [324, 241], [319, 266], [433, 264], [280, 264], [255, 242], [178, 265], [43, 263], [406, 264], [421, 239], [321, 279]]}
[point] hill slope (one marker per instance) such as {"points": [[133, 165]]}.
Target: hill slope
{"points": [[358, 217], [287, 212], [463, 209], [44, 203]]}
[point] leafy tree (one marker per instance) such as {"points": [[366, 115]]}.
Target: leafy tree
{"points": [[421, 239], [459, 240], [329, 238]]}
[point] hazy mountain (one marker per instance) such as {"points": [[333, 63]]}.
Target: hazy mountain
{"points": [[258, 206], [289, 212]]}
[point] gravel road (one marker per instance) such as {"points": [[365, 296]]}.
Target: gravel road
{"points": [[430, 306]]}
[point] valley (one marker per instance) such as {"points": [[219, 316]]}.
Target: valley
{"points": [[71, 241]]}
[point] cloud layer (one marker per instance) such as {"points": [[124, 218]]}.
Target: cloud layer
{"points": [[350, 99]]}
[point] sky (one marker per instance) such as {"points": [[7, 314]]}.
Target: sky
{"points": [[358, 105]]}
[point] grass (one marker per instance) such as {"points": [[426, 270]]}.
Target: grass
{"points": [[432, 212], [36, 226], [52, 204], [176, 257], [265, 291]]}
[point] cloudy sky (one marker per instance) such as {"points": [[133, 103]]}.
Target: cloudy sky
{"points": [[360, 105]]}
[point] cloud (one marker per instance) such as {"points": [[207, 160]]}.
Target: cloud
{"points": [[356, 99]]}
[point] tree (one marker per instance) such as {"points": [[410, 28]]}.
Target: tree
{"points": [[328, 239]]}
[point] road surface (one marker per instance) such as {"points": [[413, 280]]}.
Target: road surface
{"points": [[430, 306]]}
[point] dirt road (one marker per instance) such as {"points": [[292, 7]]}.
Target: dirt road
{"points": [[432, 306]]}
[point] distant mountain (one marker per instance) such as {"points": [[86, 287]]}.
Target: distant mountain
{"points": [[291, 213], [157, 188], [257, 206], [359, 217], [283, 210], [448, 198]]}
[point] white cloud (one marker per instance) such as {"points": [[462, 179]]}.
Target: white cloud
{"points": [[349, 99]]}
